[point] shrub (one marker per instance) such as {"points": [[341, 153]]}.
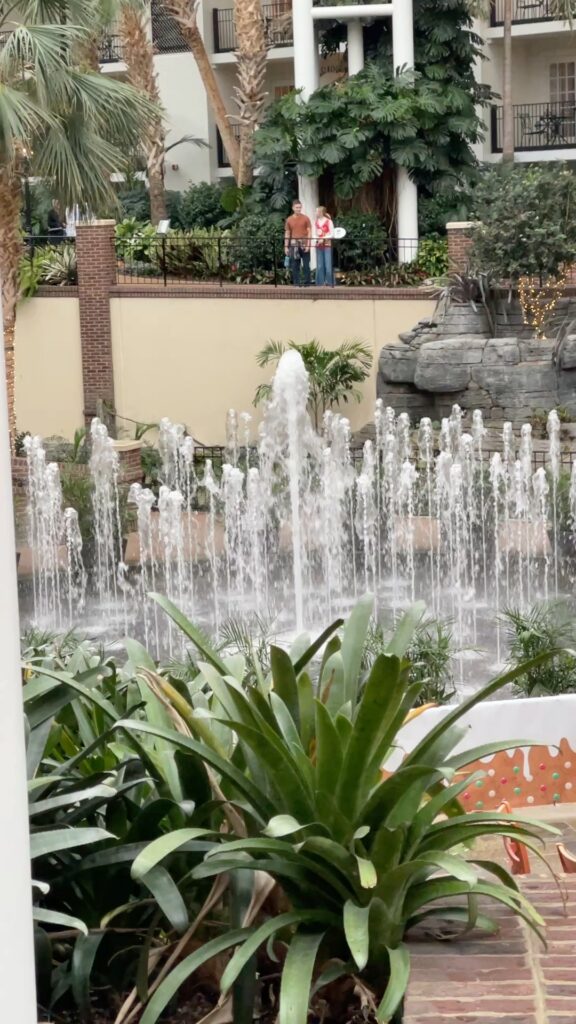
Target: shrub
{"points": [[543, 629], [366, 243], [257, 243], [135, 241], [47, 264], [200, 253], [433, 257], [201, 206], [134, 202]]}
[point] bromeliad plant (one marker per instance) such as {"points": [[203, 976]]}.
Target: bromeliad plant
{"points": [[357, 855]]}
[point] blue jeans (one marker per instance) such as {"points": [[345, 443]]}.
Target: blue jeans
{"points": [[324, 272], [300, 258]]}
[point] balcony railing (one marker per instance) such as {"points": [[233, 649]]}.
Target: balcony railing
{"points": [[111, 49], [525, 10], [223, 160], [538, 126], [278, 18]]}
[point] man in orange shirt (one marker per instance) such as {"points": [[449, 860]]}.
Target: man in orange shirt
{"points": [[297, 241]]}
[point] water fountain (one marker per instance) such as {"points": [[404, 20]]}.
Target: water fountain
{"points": [[296, 528]]}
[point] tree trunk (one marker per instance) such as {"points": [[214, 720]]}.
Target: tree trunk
{"points": [[10, 253], [185, 13], [252, 54], [507, 105], [139, 57]]}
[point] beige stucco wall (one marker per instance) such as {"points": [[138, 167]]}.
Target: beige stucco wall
{"points": [[193, 359], [49, 367]]}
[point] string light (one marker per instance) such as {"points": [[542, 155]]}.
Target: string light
{"points": [[539, 301]]}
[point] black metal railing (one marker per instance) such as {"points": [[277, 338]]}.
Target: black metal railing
{"points": [[525, 10], [166, 33], [221, 154], [277, 17], [537, 126], [230, 259], [111, 49]]}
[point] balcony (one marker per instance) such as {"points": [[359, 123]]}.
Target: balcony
{"points": [[524, 11], [278, 18], [111, 49], [537, 126]]}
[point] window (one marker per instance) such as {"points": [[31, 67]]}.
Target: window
{"points": [[563, 82], [282, 90]]}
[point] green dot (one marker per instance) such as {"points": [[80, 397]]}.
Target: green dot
{"points": [[479, 804], [517, 790], [516, 770], [555, 775], [479, 783], [556, 798]]}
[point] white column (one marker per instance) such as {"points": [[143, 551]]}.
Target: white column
{"points": [[17, 980], [355, 48], [406, 190], [306, 78]]}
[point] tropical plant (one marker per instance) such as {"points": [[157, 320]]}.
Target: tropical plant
{"points": [[335, 375], [201, 206], [350, 855], [354, 133], [431, 653], [135, 241], [47, 264], [366, 243], [433, 257], [58, 122], [544, 628], [526, 222], [200, 253]]}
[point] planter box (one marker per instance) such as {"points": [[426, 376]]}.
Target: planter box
{"points": [[130, 461]]}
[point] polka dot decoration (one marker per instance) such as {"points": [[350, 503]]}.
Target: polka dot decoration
{"points": [[535, 777]]}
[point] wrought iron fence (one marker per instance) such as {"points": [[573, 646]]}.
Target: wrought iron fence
{"points": [[235, 259], [538, 126], [277, 19], [111, 49], [524, 10]]}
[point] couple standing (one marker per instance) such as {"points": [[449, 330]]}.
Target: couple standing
{"points": [[299, 237]]}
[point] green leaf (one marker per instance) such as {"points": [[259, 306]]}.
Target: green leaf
{"points": [[356, 930], [353, 640], [399, 960], [162, 847], [193, 634], [83, 957], [264, 932], [167, 990], [138, 655], [54, 917], [168, 897], [297, 978], [367, 872], [284, 679], [404, 632], [282, 825], [307, 656], [58, 839], [306, 710], [328, 751]]}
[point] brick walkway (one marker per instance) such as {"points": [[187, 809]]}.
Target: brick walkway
{"points": [[508, 978]]}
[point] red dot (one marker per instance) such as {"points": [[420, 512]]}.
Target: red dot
{"points": [[542, 766], [466, 796], [503, 782], [543, 789]]}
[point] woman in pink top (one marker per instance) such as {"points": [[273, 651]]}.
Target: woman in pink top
{"points": [[324, 233]]}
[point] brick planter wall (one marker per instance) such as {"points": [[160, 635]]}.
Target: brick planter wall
{"points": [[508, 978], [459, 244], [130, 462]]}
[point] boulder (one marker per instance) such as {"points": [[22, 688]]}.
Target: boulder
{"points": [[397, 364], [568, 353], [444, 366], [501, 351]]}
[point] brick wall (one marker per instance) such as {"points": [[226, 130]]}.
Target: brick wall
{"points": [[96, 275], [459, 244]]}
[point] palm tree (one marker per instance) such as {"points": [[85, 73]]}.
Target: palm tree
{"points": [[68, 125], [139, 57], [250, 29], [334, 374], [185, 12]]}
